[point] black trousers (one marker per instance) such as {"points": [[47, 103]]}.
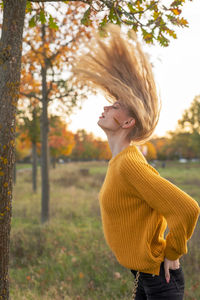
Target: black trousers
{"points": [[155, 287]]}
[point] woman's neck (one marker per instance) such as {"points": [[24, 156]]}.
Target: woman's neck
{"points": [[118, 145]]}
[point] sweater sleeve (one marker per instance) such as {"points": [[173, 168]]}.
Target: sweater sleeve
{"points": [[179, 209]]}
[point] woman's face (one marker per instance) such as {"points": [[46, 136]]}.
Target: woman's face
{"points": [[114, 117]]}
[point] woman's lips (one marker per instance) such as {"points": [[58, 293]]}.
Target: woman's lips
{"points": [[102, 116]]}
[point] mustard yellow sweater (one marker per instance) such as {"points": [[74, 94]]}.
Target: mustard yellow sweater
{"points": [[136, 206]]}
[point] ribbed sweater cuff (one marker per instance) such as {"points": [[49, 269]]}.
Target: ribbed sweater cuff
{"points": [[170, 254]]}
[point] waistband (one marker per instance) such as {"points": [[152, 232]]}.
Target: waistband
{"points": [[134, 272]]}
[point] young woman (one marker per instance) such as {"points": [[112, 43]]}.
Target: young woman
{"points": [[136, 203]]}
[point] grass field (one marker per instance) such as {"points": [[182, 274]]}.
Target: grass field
{"points": [[68, 258]]}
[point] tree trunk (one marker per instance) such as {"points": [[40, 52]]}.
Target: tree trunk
{"points": [[45, 150], [10, 65], [14, 168], [53, 160], [34, 167]]}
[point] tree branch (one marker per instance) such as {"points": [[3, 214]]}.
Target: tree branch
{"points": [[58, 52], [38, 1], [50, 88], [32, 48], [62, 96], [31, 95]]}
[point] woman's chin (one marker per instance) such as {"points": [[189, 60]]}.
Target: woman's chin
{"points": [[99, 123]]}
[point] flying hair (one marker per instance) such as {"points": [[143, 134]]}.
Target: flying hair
{"points": [[117, 66]]}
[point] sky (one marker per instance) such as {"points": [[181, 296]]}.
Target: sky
{"points": [[177, 74]]}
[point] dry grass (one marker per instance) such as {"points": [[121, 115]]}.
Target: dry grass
{"points": [[67, 258]]}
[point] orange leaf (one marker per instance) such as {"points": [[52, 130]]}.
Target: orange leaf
{"points": [[176, 11], [182, 21], [28, 278], [81, 275]]}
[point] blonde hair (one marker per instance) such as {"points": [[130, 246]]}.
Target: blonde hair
{"points": [[120, 69]]}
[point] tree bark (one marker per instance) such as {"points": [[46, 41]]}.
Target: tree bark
{"points": [[45, 149], [10, 65], [14, 168], [34, 167]]}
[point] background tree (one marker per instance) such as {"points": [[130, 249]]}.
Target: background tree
{"points": [[149, 151], [61, 141], [179, 146], [153, 20], [46, 63], [29, 123], [23, 145], [22, 149], [184, 141], [160, 145], [87, 147], [190, 123], [104, 152], [84, 146], [10, 65]]}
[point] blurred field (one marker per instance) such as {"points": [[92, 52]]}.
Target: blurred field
{"points": [[67, 258]]}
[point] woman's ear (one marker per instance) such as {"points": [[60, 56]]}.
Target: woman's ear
{"points": [[130, 123]]}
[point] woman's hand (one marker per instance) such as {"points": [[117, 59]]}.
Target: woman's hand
{"points": [[170, 264]]}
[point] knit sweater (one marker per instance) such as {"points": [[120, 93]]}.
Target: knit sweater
{"points": [[136, 205]]}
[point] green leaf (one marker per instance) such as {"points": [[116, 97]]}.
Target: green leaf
{"points": [[147, 36], [171, 33], [86, 18], [132, 10], [163, 40], [177, 3], [42, 17], [156, 15], [32, 22], [135, 27], [152, 6], [28, 7], [52, 23], [103, 22], [112, 16]]}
